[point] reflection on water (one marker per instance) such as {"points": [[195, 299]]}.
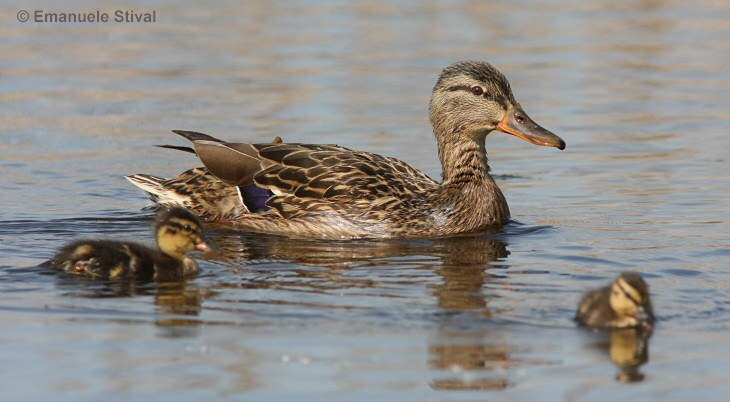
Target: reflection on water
{"points": [[179, 303], [638, 89], [464, 252], [461, 263], [80, 287], [629, 350], [467, 358], [178, 306], [464, 272]]}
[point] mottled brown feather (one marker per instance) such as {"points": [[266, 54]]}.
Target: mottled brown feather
{"points": [[332, 191]]}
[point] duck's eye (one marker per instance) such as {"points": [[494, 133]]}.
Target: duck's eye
{"points": [[477, 90], [187, 228], [520, 118]]}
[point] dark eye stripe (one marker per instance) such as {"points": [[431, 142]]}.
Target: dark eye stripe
{"points": [[459, 88], [181, 226], [627, 294], [486, 94]]}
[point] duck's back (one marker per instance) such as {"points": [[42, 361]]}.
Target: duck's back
{"points": [[106, 259]]}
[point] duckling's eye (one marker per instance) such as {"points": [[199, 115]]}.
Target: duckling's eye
{"points": [[187, 228], [628, 296], [477, 90]]}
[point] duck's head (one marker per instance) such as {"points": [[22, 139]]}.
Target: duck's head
{"points": [[472, 98], [179, 231], [630, 299]]}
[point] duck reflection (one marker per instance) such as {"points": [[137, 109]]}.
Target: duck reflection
{"points": [[472, 366], [465, 356], [178, 303], [464, 272], [471, 357], [629, 350], [459, 261]]}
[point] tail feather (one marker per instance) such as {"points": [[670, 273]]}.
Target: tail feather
{"points": [[195, 136], [201, 192], [154, 187], [179, 148], [277, 140], [195, 189]]}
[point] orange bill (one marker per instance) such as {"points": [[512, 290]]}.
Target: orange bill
{"points": [[518, 123]]}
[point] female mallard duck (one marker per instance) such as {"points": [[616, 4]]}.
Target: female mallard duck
{"points": [[330, 191], [623, 304], [178, 232]]}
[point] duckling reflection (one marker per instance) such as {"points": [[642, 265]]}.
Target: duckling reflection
{"points": [[178, 303], [629, 350], [178, 306]]}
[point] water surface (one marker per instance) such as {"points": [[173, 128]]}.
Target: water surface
{"points": [[638, 90]]}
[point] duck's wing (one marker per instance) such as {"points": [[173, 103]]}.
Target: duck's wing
{"points": [[306, 178]]}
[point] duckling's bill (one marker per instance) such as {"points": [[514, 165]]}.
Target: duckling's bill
{"points": [[518, 123], [207, 247], [645, 317]]}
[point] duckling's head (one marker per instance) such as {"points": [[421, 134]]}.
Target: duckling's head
{"points": [[630, 299], [179, 231], [472, 98]]}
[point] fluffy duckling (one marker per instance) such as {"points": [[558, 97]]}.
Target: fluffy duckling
{"points": [[623, 304], [178, 231]]}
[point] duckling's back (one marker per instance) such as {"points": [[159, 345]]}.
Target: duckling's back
{"points": [[106, 259], [595, 309]]}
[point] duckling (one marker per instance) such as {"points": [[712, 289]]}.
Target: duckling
{"points": [[623, 304], [178, 231]]}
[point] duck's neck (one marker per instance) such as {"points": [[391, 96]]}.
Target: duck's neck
{"points": [[464, 162], [467, 188]]}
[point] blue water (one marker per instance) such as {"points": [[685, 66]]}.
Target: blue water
{"points": [[639, 91]]}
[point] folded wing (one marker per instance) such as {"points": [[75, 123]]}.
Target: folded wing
{"points": [[307, 178]]}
